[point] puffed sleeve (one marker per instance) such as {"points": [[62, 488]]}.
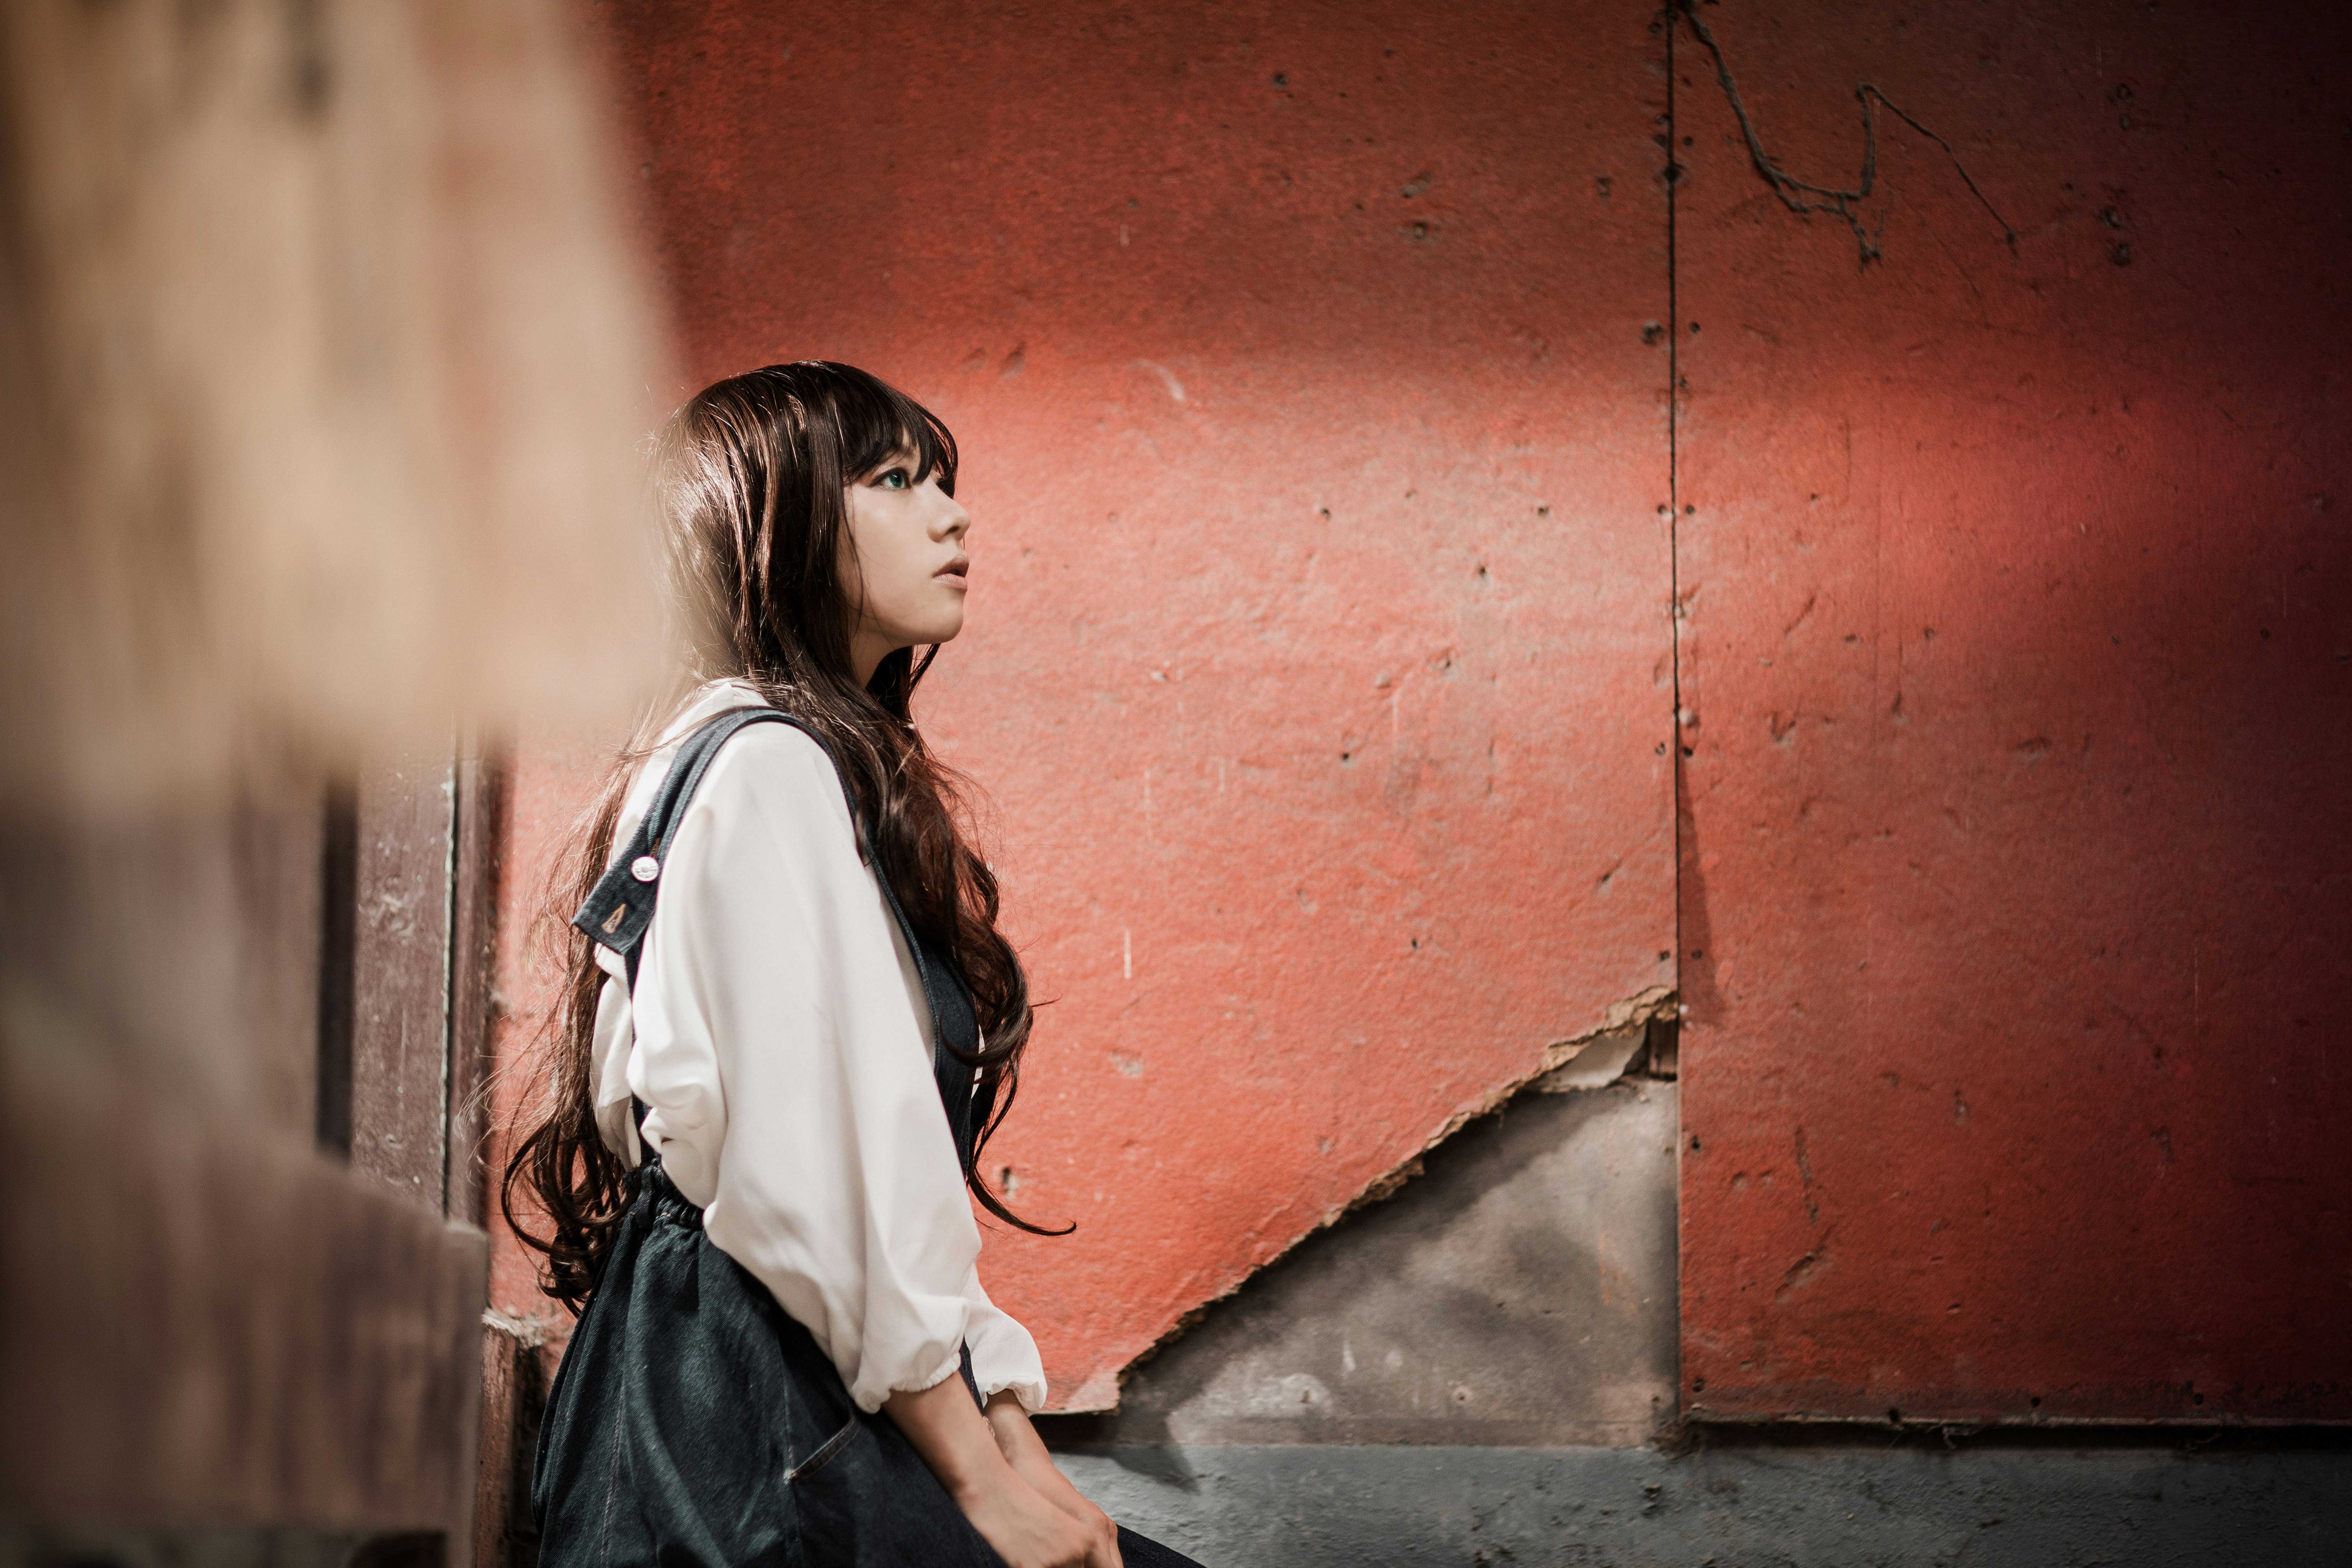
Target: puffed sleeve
{"points": [[788, 1085], [1003, 1354]]}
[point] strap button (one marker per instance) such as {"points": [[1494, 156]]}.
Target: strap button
{"points": [[645, 868]]}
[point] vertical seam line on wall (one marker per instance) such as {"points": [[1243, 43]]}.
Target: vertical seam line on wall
{"points": [[1675, 643], [1674, 492]]}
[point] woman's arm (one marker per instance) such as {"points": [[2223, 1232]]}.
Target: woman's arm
{"points": [[782, 1054], [1025, 1452], [967, 1452], [777, 1043], [1003, 1357]]}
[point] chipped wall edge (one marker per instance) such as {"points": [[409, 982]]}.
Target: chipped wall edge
{"points": [[1615, 1043]]}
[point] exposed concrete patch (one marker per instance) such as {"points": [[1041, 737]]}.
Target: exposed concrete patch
{"points": [[1247, 1506], [1611, 1048], [1523, 1292], [1601, 1062]]}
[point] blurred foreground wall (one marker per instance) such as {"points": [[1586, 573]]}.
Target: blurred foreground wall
{"points": [[321, 369]]}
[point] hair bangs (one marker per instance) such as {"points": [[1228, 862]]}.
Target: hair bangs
{"points": [[877, 420]]}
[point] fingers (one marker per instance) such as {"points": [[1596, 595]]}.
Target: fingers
{"points": [[1025, 1531]]}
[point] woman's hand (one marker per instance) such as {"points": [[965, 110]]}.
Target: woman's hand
{"points": [[961, 1447], [1025, 1452], [1026, 1530]]}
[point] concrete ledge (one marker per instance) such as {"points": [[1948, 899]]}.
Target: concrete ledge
{"points": [[1821, 1507]]}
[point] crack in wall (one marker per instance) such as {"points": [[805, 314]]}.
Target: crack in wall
{"points": [[1680, 760], [1805, 1175], [1674, 174], [1797, 195]]}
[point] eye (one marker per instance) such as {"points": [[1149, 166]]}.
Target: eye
{"points": [[897, 479]]}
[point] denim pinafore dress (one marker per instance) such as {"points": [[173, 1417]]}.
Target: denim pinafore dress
{"points": [[693, 1423]]}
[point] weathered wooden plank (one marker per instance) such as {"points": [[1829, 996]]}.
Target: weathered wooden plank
{"points": [[481, 803], [211, 1323], [338, 852], [309, 446], [273, 847], [400, 986], [514, 1393]]}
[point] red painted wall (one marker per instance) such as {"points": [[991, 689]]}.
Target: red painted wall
{"points": [[1321, 674], [1319, 670], [2017, 836]]}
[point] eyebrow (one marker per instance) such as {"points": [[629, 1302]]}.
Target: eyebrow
{"points": [[909, 457]]}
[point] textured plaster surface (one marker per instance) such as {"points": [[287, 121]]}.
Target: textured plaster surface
{"points": [[2016, 658]]}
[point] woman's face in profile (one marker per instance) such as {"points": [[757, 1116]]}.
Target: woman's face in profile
{"points": [[905, 567]]}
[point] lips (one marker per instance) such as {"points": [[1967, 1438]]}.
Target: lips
{"points": [[958, 570]]}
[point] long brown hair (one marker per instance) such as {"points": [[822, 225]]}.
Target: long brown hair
{"points": [[750, 483]]}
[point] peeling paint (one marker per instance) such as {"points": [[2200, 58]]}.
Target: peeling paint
{"points": [[1601, 1063], [1629, 1016], [1606, 1052]]}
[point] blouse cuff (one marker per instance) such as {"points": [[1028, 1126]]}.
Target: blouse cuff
{"points": [[1031, 1394], [914, 1384]]}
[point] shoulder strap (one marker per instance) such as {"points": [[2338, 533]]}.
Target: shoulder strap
{"points": [[621, 907]]}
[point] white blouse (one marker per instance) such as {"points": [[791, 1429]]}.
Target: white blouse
{"points": [[781, 1042]]}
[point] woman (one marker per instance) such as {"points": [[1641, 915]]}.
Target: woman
{"points": [[792, 1022]]}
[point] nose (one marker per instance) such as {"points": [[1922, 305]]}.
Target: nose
{"points": [[953, 522]]}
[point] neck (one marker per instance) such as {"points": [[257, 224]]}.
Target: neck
{"points": [[866, 651]]}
